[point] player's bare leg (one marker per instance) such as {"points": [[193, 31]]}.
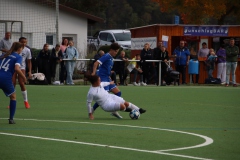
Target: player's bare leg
{"points": [[117, 92], [24, 91]]}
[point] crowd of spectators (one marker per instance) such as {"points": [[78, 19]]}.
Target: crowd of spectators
{"points": [[59, 72]]}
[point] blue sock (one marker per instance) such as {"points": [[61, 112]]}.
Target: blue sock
{"points": [[119, 94], [95, 106], [13, 104]]}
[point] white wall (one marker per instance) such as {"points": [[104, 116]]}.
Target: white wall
{"points": [[71, 24], [39, 20]]}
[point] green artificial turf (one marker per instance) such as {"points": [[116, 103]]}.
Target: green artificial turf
{"points": [[57, 125]]}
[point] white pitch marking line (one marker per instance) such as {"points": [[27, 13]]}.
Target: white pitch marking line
{"points": [[208, 140], [101, 145]]}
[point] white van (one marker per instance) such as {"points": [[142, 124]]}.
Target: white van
{"points": [[122, 37]]}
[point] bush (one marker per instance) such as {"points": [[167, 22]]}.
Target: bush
{"points": [[35, 52]]}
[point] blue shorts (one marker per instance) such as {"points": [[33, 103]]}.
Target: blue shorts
{"points": [[109, 87], [7, 86]]}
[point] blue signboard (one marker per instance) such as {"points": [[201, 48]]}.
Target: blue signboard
{"points": [[205, 31]]}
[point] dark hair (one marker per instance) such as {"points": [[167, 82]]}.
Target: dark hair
{"points": [[114, 46], [204, 43], [222, 46], [137, 55], [232, 39], [14, 48], [63, 41], [57, 45], [21, 38], [92, 78]]}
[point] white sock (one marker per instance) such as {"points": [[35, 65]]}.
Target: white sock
{"points": [[132, 106], [24, 94]]}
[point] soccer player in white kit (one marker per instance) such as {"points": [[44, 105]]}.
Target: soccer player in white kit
{"points": [[108, 102], [26, 55]]}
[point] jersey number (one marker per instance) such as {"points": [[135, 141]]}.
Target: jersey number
{"points": [[5, 65]]}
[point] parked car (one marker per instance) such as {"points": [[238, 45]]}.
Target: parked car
{"points": [[107, 37]]}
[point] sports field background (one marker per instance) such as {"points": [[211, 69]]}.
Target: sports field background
{"points": [[57, 125]]}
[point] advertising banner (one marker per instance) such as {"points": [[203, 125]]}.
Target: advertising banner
{"points": [[138, 43], [205, 31]]}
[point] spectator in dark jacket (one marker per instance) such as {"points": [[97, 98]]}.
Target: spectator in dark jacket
{"points": [[120, 67], [147, 54], [44, 62], [162, 55], [56, 63]]}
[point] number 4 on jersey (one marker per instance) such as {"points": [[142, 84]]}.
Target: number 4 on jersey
{"points": [[5, 65]]}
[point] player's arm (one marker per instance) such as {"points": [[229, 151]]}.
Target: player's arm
{"points": [[89, 107], [95, 66], [29, 68], [20, 73]]}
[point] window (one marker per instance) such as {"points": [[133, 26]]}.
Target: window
{"points": [[125, 36], [103, 36], [49, 39], [110, 38]]}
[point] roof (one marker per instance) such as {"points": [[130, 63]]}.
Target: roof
{"points": [[91, 18], [184, 25]]}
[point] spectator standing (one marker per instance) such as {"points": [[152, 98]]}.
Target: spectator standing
{"points": [[162, 55], [56, 63], [6, 43], [71, 54], [204, 51], [221, 60], [211, 63], [63, 72], [232, 53], [135, 68], [64, 45], [120, 67], [146, 54], [44, 57], [182, 55]]}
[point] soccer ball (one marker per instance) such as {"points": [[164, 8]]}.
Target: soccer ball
{"points": [[134, 114]]}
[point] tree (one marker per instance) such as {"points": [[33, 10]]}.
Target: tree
{"points": [[201, 11]]}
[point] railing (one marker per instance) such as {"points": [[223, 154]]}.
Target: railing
{"points": [[159, 64]]}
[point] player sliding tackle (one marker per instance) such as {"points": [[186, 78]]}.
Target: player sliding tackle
{"points": [[108, 102]]}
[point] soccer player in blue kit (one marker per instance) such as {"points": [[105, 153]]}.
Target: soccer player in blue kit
{"points": [[106, 65], [10, 62]]}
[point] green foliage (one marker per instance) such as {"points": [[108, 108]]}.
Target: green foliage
{"points": [[121, 14], [35, 52]]}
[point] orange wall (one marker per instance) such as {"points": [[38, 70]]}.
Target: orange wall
{"points": [[159, 30]]}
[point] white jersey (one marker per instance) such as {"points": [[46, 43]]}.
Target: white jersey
{"points": [[108, 102], [26, 54], [98, 94]]}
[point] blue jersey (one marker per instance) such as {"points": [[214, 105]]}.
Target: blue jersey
{"points": [[106, 66], [7, 69], [7, 65]]}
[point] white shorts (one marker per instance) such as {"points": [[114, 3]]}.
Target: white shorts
{"points": [[113, 103]]}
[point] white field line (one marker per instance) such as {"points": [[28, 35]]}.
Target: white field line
{"points": [[208, 140], [101, 145]]}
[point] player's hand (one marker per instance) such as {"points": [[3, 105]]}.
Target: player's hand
{"points": [[93, 74], [29, 75], [112, 82], [91, 117]]}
